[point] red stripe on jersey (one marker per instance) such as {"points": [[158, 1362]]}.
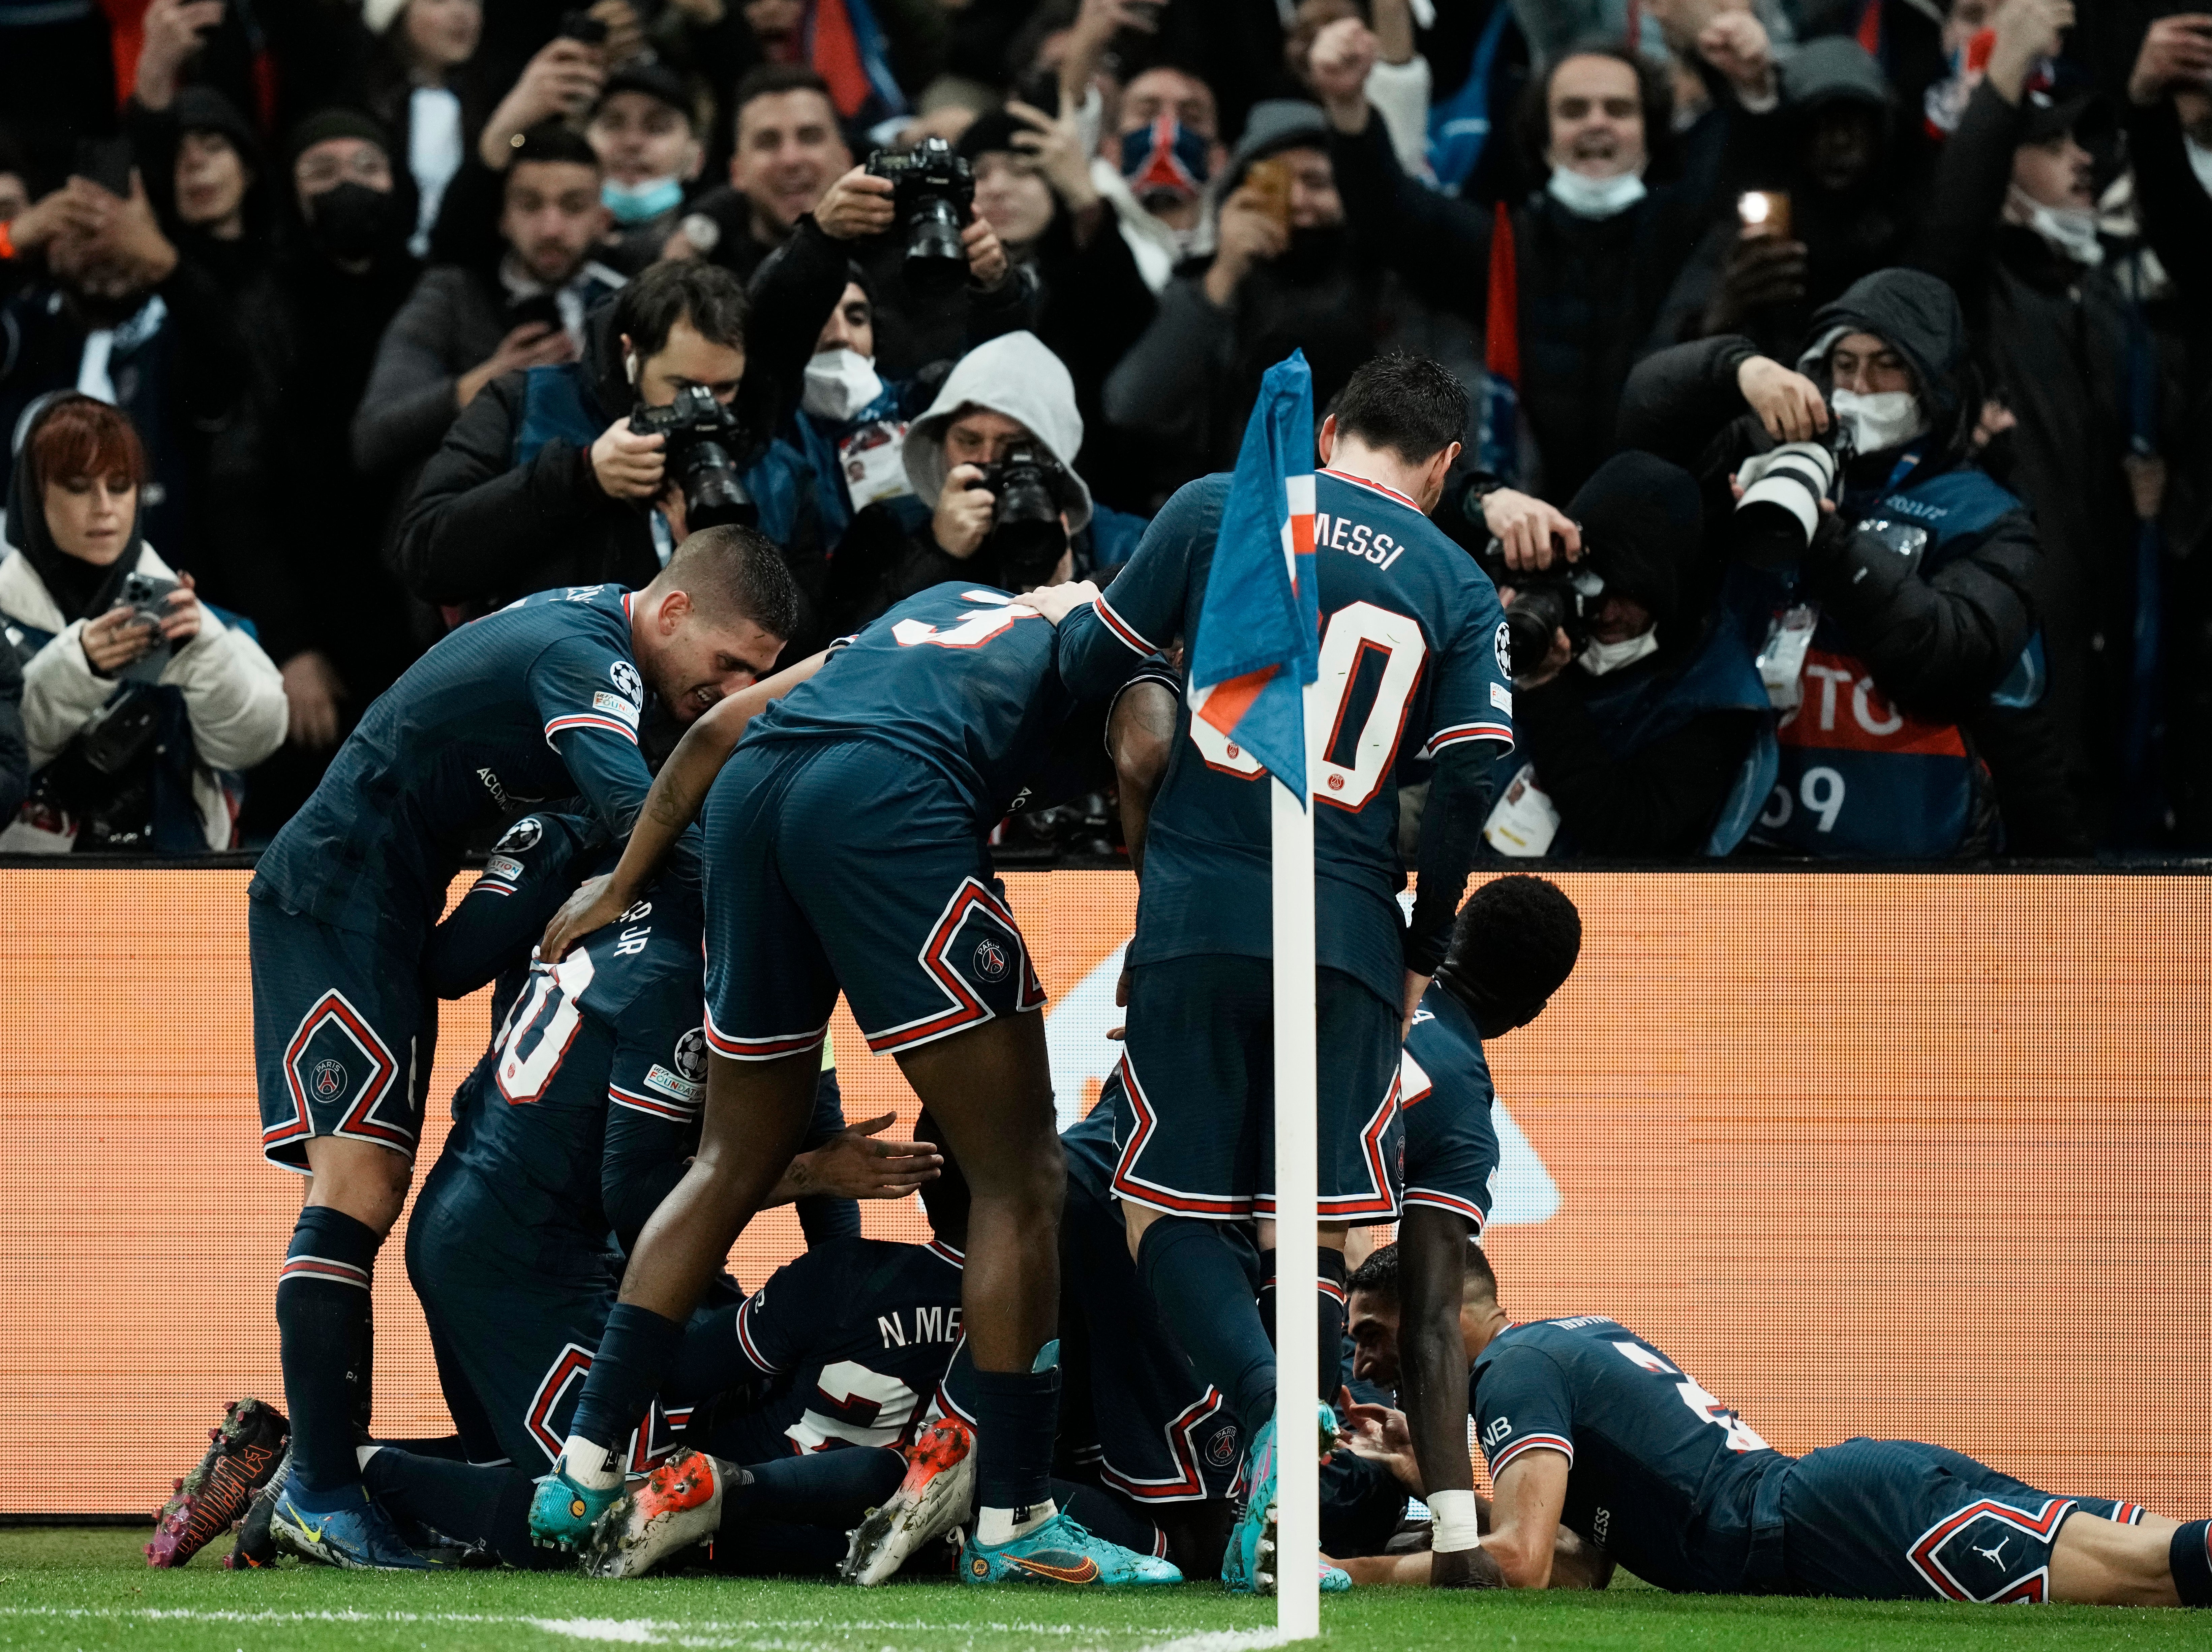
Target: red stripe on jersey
{"points": [[585, 721], [1375, 487], [1534, 1442], [1501, 732], [658, 1109], [1430, 1199], [1131, 637]]}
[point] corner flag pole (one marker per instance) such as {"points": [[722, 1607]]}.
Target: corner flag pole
{"points": [[1298, 1320]]}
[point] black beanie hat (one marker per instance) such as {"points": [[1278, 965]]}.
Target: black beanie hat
{"points": [[326, 124], [203, 109], [1642, 522]]}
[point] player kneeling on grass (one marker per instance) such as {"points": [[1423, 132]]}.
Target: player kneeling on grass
{"points": [[846, 843], [1589, 1430]]}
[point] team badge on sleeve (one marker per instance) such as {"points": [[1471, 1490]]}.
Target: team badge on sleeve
{"points": [[1502, 643]]}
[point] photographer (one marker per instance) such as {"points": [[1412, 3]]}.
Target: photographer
{"points": [[523, 306], [1638, 715], [991, 454], [1889, 594], [138, 702], [543, 482]]}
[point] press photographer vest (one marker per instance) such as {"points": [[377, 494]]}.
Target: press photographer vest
{"points": [[1860, 777], [558, 402]]}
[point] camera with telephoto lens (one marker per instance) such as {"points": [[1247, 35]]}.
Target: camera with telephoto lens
{"points": [[1780, 509], [1027, 539], [933, 191], [1564, 597], [702, 441]]}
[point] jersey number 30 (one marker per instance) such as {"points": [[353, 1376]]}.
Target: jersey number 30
{"points": [[1354, 631], [550, 1007]]}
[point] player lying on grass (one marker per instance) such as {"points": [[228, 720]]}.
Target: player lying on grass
{"points": [[941, 716], [1588, 1427], [542, 699], [1413, 667], [1514, 944]]}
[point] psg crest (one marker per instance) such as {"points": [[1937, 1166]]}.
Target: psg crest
{"points": [[328, 1078], [990, 960]]}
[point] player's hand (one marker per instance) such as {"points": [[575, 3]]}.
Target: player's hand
{"points": [[1057, 602], [627, 466], [1525, 526], [858, 1163], [1788, 404], [1382, 1435], [115, 639], [964, 513], [857, 205], [593, 905], [1415, 986]]}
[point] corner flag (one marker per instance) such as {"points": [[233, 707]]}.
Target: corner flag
{"points": [[1259, 626]]}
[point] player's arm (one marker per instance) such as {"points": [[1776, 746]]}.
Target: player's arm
{"points": [[1099, 647], [1140, 733], [505, 909], [591, 719], [671, 803], [1518, 1551]]}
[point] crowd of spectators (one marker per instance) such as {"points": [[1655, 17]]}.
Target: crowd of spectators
{"points": [[326, 325]]}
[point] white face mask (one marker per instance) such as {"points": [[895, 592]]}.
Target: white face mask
{"points": [[1599, 658], [839, 384], [1594, 198], [1889, 418], [2071, 232]]}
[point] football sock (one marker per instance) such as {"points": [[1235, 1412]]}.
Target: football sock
{"points": [[1104, 1514], [2191, 1557], [634, 1358], [322, 1327], [823, 1488], [1329, 1280], [470, 1503], [1017, 1415], [1205, 1295]]}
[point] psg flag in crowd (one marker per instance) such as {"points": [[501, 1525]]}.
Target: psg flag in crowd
{"points": [[1500, 447], [1258, 628]]}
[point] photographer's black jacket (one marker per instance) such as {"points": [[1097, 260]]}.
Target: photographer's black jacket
{"points": [[15, 753]]}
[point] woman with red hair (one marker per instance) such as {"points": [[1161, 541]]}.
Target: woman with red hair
{"points": [[140, 703]]}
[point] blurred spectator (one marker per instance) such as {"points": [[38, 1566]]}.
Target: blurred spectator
{"points": [[562, 81], [117, 312], [329, 612], [1649, 738], [1593, 257], [464, 326], [1033, 185], [789, 149], [135, 720], [541, 482], [1832, 208], [1900, 642], [1010, 394], [1284, 275], [15, 754], [2012, 225], [855, 62], [1153, 164], [644, 131], [200, 158]]}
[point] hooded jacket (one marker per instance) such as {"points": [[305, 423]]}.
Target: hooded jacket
{"points": [[1938, 636], [230, 696]]}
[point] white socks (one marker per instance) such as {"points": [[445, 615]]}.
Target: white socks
{"points": [[1452, 1522], [590, 1465], [997, 1526]]}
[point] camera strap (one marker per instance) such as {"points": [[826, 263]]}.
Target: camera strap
{"points": [[1782, 656]]}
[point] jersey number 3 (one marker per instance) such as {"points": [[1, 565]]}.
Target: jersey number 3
{"points": [[1354, 631], [550, 1008], [975, 629]]}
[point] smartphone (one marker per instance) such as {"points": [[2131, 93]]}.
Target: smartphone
{"points": [[1041, 91], [1764, 212], [148, 595], [1269, 181], [582, 27], [107, 161], [539, 306]]}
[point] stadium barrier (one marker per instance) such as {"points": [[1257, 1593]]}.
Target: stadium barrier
{"points": [[1907, 1154]]}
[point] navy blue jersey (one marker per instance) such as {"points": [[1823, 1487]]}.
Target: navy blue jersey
{"points": [[1412, 660], [1662, 1474], [862, 1330], [540, 700], [963, 677], [1091, 1152], [597, 1071], [1451, 1149]]}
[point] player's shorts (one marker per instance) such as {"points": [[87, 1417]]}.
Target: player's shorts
{"points": [[1443, 1150], [1161, 1434], [851, 865], [343, 1032], [1894, 1519], [513, 1326], [1195, 1118]]}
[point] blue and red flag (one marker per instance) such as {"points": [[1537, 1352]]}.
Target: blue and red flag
{"points": [[1501, 446], [1258, 628]]}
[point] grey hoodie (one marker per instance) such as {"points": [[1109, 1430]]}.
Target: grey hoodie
{"points": [[1013, 374]]}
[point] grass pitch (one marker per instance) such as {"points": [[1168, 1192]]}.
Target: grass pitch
{"points": [[90, 1588]]}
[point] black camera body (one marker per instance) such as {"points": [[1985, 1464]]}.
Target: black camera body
{"points": [[703, 439], [1026, 538], [934, 192], [1564, 597]]}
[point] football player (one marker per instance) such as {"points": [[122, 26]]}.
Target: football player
{"points": [[1413, 667], [1513, 945], [543, 698], [847, 846], [1588, 1427]]}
